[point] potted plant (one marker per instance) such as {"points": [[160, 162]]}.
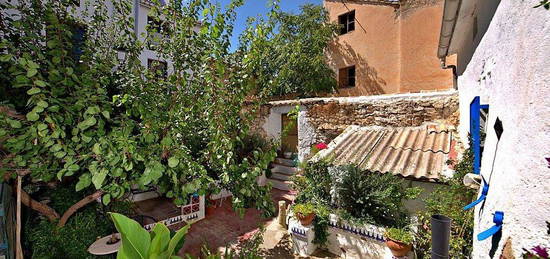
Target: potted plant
{"points": [[399, 241], [305, 213]]}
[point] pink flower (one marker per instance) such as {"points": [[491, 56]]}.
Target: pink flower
{"points": [[321, 146], [540, 251]]}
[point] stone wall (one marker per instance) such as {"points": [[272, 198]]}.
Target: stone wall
{"points": [[322, 119], [332, 117]]}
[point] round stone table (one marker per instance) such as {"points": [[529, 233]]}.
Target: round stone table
{"points": [[101, 246]]}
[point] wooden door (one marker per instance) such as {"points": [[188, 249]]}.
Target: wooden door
{"points": [[290, 140]]}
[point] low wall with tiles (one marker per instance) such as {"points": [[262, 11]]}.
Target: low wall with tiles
{"points": [[345, 240]]}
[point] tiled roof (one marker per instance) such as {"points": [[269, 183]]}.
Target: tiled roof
{"points": [[412, 152]]}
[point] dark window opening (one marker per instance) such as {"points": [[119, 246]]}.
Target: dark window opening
{"points": [[78, 40], [159, 68], [347, 22], [346, 77], [498, 128]]}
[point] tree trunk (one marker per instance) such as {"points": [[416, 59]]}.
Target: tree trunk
{"points": [[43, 209], [90, 198]]}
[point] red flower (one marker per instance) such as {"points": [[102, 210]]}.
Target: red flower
{"points": [[321, 146]]}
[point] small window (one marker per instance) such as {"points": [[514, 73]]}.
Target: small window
{"points": [[158, 67], [346, 77], [347, 22]]}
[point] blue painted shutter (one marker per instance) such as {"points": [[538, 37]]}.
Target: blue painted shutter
{"points": [[475, 133]]}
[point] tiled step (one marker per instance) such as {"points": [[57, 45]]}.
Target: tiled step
{"points": [[284, 161], [284, 169], [279, 176], [281, 185]]}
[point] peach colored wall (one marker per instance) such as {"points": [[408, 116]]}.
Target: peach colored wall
{"points": [[373, 47], [420, 67], [394, 52]]}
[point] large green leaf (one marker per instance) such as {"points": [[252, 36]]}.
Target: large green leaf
{"points": [[176, 240], [135, 240], [161, 238], [99, 178], [84, 181]]}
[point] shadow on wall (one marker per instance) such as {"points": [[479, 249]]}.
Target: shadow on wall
{"points": [[367, 80]]}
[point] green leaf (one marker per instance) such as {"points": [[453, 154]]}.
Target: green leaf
{"points": [[40, 83], [85, 138], [99, 178], [83, 181], [73, 167], [14, 123], [31, 72], [42, 104], [33, 91], [135, 240], [106, 114], [42, 126], [177, 239], [160, 241], [31, 116], [173, 162], [96, 149], [106, 199], [167, 141], [5, 57]]}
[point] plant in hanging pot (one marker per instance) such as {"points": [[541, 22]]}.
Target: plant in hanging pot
{"points": [[399, 241], [304, 212]]}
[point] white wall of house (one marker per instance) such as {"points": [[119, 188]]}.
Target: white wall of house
{"points": [[509, 71]]}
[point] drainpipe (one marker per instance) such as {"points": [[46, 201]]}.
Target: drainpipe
{"points": [[448, 24], [441, 236], [453, 67]]}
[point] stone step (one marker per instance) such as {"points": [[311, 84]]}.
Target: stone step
{"points": [[279, 176], [284, 169], [284, 161], [281, 185]]}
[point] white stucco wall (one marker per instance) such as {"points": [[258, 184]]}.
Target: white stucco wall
{"points": [[509, 70]]}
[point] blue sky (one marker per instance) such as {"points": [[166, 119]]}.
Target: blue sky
{"points": [[259, 7]]}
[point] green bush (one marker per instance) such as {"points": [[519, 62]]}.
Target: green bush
{"points": [[373, 197], [45, 240]]}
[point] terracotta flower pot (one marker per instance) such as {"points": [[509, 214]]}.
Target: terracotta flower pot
{"points": [[305, 220], [397, 248]]}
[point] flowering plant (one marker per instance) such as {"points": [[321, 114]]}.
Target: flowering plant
{"points": [[537, 252], [321, 146]]}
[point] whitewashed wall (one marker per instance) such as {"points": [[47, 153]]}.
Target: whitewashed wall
{"points": [[509, 70]]}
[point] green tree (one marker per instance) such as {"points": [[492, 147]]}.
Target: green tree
{"points": [[75, 111], [288, 51]]}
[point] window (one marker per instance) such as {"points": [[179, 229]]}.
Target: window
{"points": [[346, 77], [158, 67], [78, 40], [478, 127], [347, 22]]}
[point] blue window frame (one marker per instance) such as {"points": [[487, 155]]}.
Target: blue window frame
{"points": [[478, 116]]}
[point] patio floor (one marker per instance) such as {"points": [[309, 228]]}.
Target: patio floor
{"points": [[225, 227]]}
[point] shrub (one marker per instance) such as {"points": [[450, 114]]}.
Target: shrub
{"points": [[45, 240], [399, 234], [315, 184], [372, 197]]}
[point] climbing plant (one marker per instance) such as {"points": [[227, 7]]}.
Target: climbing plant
{"points": [[78, 105]]}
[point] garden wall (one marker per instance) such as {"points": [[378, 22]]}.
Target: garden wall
{"points": [[322, 119], [345, 240]]}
